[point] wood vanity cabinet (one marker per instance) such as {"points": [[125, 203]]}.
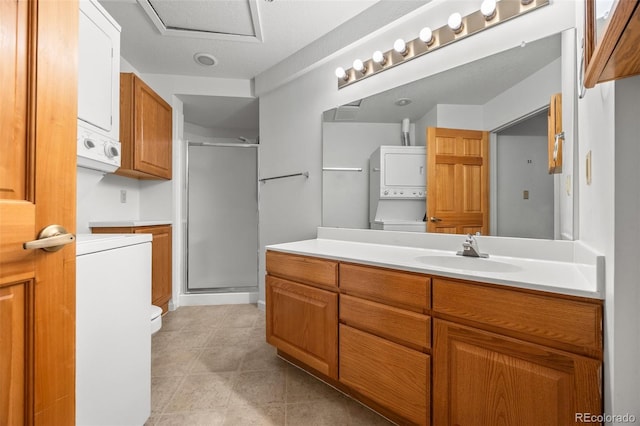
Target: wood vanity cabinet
{"points": [[385, 339], [302, 309], [505, 356], [145, 131], [161, 259], [427, 350]]}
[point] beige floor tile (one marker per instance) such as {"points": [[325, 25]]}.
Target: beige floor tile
{"points": [[326, 412], [201, 392], [258, 388], [200, 418], [221, 358], [185, 339], [151, 421], [172, 363], [174, 321], [229, 336], [208, 317], [241, 318], [258, 415], [363, 416], [303, 387], [211, 366], [162, 390], [261, 357]]}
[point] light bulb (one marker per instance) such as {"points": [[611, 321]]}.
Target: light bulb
{"points": [[455, 22], [379, 58], [400, 46], [340, 73], [488, 9], [358, 65], [426, 35]]}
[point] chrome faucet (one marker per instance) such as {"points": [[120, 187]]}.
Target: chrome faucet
{"points": [[470, 248]]}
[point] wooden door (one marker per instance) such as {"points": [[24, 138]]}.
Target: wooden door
{"points": [[38, 75], [482, 378], [554, 130], [457, 181]]}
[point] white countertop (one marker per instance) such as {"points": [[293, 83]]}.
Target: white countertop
{"points": [[124, 223], [563, 277]]}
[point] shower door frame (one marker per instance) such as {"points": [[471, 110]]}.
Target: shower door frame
{"points": [[219, 290]]}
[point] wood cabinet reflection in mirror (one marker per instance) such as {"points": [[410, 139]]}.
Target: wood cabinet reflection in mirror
{"points": [[612, 34]]}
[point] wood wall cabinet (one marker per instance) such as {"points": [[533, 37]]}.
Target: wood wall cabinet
{"points": [[611, 44], [505, 356], [161, 259], [145, 131], [302, 309]]}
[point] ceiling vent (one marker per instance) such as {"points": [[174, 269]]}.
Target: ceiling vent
{"points": [[231, 20]]}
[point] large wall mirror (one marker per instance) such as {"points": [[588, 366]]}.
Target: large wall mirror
{"points": [[506, 95]]}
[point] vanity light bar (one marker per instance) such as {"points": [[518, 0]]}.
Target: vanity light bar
{"points": [[469, 25]]}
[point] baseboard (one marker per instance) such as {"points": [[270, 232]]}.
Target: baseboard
{"points": [[218, 299]]}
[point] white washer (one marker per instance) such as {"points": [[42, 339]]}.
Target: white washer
{"points": [[113, 335]]}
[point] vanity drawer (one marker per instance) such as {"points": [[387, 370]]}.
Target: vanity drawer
{"points": [[563, 322], [393, 376], [304, 269], [398, 325], [402, 289]]}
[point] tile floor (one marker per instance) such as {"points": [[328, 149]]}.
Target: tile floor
{"points": [[210, 365]]}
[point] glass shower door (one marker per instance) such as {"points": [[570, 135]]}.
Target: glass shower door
{"points": [[222, 227]]}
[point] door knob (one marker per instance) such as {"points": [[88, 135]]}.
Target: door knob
{"points": [[435, 219], [52, 238]]}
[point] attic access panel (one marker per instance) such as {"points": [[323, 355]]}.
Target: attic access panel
{"points": [[233, 20]]}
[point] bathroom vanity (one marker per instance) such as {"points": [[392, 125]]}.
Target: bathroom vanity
{"points": [[427, 337]]}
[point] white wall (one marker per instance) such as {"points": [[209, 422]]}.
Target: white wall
{"points": [[626, 292], [468, 117], [522, 165], [345, 194]]}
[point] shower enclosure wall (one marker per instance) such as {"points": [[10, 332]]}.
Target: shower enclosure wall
{"points": [[222, 218]]}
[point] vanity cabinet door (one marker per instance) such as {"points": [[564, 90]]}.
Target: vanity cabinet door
{"points": [[481, 378], [161, 275], [303, 322], [396, 377]]}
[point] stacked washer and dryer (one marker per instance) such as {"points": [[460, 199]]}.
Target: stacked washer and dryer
{"points": [[113, 271], [397, 188]]}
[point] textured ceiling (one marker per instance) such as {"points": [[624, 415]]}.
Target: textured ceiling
{"points": [[286, 25]]}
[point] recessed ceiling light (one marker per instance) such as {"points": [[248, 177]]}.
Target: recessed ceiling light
{"points": [[205, 59], [403, 101]]}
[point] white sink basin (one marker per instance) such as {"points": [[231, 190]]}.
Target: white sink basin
{"points": [[468, 263]]}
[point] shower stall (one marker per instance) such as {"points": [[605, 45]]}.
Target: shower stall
{"points": [[222, 218]]}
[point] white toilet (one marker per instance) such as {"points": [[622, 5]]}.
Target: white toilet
{"points": [[156, 319]]}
